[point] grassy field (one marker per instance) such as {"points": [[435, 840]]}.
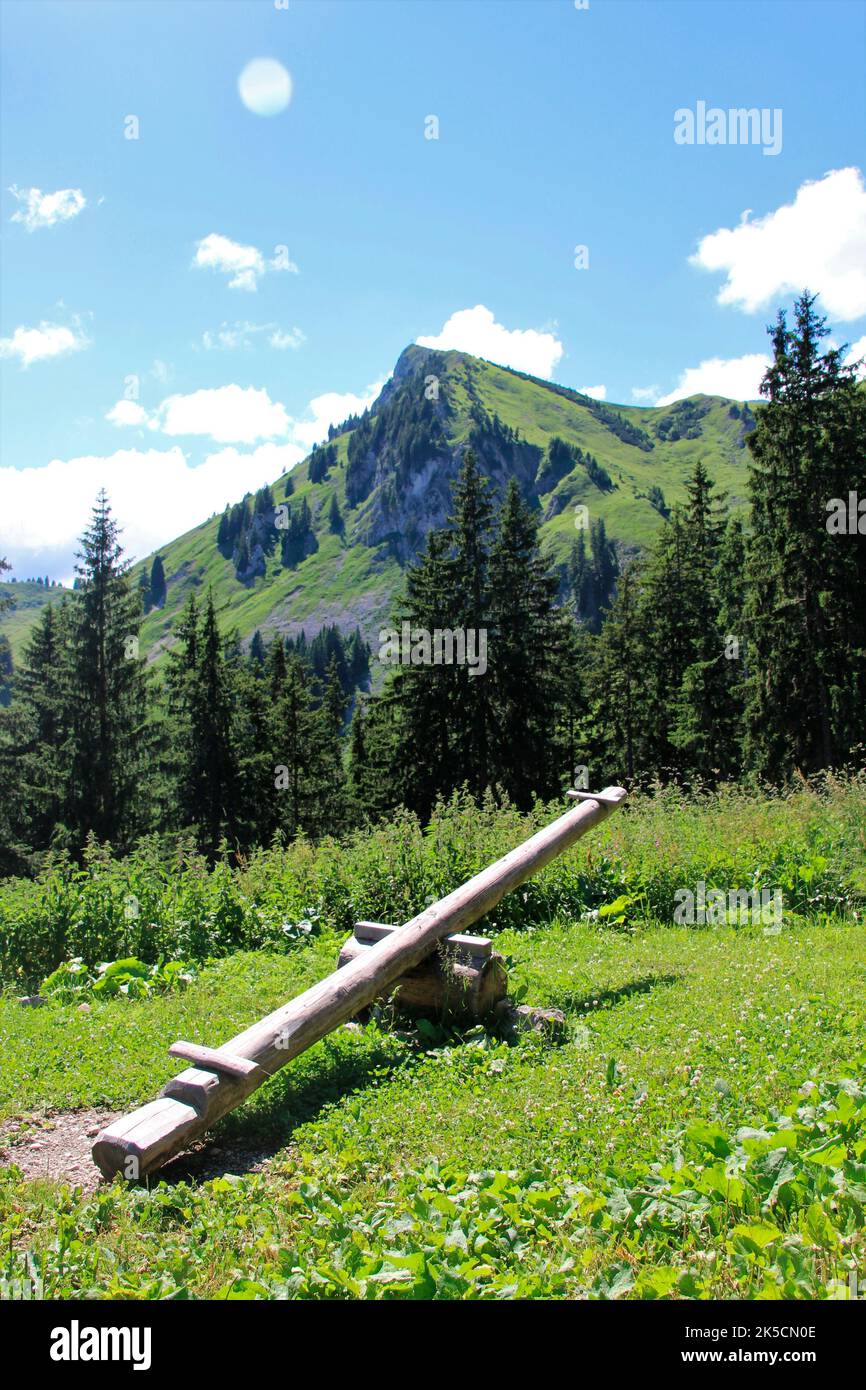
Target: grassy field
{"points": [[699, 1133]]}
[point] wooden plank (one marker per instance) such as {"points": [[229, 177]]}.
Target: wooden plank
{"points": [[212, 1060], [589, 796], [371, 932], [138, 1143]]}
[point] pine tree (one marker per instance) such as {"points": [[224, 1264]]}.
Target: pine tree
{"points": [[157, 582], [419, 702], [335, 518], [705, 724], [618, 723], [205, 761], [527, 646], [33, 738], [470, 525], [298, 782], [104, 692], [805, 616], [257, 651]]}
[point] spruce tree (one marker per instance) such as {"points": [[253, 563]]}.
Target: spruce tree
{"points": [[618, 725], [527, 647], [33, 738], [104, 693], [206, 773], [157, 582], [470, 526], [418, 707], [805, 615], [335, 518], [705, 713]]}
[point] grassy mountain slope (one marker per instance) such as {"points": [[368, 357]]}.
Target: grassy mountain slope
{"points": [[400, 468], [28, 599]]}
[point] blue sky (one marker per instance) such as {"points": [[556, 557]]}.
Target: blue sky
{"points": [[238, 280]]}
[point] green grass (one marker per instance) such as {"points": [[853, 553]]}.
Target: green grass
{"points": [[700, 1132], [28, 599]]}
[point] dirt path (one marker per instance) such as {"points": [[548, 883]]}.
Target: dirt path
{"points": [[57, 1148]]}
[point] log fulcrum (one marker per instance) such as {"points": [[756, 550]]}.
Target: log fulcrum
{"points": [[139, 1143]]}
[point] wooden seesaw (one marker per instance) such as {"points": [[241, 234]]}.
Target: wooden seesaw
{"points": [[377, 959]]}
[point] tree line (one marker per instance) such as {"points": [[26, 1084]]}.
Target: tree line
{"points": [[734, 646]]}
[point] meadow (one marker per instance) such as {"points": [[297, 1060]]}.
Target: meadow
{"points": [[699, 1132]]}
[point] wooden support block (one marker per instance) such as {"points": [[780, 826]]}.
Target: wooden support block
{"points": [[444, 983], [479, 947], [209, 1059]]}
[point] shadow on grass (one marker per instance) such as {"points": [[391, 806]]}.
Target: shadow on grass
{"points": [[573, 1003], [244, 1140], [331, 1071]]}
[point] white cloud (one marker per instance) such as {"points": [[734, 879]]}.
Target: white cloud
{"points": [[160, 370], [44, 538], [46, 209], [280, 339], [241, 334], [857, 353], [598, 393], [245, 264], [818, 242], [127, 413], [228, 414], [267, 461], [228, 336], [477, 332], [332, 409], [644, 393], [39, 344], [738, 378], [242, 415]]}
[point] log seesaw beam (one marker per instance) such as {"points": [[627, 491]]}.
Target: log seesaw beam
{"points": [[139, 1143]]}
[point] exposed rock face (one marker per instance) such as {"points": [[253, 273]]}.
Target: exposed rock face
{"points": [[403, 460]]}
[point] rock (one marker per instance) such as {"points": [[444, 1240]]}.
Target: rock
{"points": [[83, 1008], [521, 1018], [31, 1001]]}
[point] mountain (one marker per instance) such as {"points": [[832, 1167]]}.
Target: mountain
{"points": [[28, 597], [390, 474]]}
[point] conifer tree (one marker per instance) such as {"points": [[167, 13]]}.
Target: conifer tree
{"points": [[470, 526], [704, 711], [617, 691], [206, 774], [335, 517], [805, 615], [419, 702], [104, 692], [33, 739], [527, 647], [157, 582]]}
